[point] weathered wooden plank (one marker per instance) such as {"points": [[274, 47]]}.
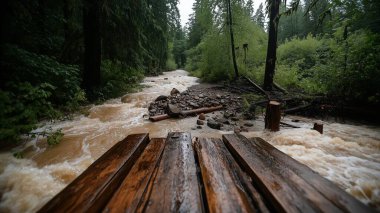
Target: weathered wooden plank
{"points": [[328, 189], [94, 187], [280, 185], [225, 186], [129, 195], [176, 187]]}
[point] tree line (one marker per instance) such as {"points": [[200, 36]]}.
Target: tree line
{"points": [[59, 54], [327, 47]]}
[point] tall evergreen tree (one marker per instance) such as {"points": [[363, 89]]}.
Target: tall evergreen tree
{"points": [[92, 46], [259, 16]]}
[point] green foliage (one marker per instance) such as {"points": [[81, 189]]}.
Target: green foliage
{"points": [[347, 68], [211, 58], [118, 79], [38, 84], [55, 138]]}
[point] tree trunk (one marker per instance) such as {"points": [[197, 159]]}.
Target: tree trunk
{"points": [[272, 44], [92, 45], [229, 14]]}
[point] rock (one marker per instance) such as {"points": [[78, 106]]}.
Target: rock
{"points": [[295, 120], [193, 128], [194, 105], [174, 92], [223, 121], [199, 127], [126, 99], [161, 98], [172, 110], [213, 124], [234, 118], [200, 122], [244, 129], [249, 124], [202, 116], [228, 115], [165, 78], [237, 130], [218, 96], [201, 95]]}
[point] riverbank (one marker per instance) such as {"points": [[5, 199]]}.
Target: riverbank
{"points": [[348, 155]]}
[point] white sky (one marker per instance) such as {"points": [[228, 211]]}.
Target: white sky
{"points": [[186, 8]]}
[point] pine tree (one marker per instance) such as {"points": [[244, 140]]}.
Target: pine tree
{"points": [[259, 16]]}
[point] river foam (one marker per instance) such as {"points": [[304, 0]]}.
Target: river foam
{"points": [[348, 155]]}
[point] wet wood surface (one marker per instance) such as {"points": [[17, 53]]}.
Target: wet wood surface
{"points": [[176, 186], [226, 187], [234, 174], [328, 189], [129, 195], [94, 187], [278, 181]]}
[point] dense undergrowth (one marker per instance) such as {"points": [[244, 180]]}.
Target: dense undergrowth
{"points": [[337, 56]]}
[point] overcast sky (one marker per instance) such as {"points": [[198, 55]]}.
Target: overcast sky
{"points": [[186, 8]]}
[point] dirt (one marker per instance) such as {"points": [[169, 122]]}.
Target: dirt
{"points": [[233, 116]]}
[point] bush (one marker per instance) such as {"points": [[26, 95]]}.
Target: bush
{"points": [[32, 87], [118, 78]]}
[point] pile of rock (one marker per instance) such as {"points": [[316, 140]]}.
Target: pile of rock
{"points": [[231, 118], [195, 98]]}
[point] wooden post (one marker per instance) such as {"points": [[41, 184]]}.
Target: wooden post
{"points": [[319, 127], [273, 116]]}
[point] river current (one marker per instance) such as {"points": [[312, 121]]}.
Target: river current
{"points": [[348, 155]]}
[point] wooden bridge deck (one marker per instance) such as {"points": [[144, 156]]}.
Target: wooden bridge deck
{"points": [[176, 174]]}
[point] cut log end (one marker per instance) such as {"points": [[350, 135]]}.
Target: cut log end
{"points": [[273, 116], [319, 127]]}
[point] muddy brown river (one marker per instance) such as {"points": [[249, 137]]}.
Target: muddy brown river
{"points": [[348, 155]]}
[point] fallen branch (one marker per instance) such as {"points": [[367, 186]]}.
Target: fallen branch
{"points": [[257, 87], [296, 109], [289, 125], [186, 112], [279, 88]]}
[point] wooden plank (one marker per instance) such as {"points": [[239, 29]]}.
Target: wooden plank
{"points": [[279, 184], [176, 187], [129, 195], [328, 189], [94, 187], [225, 185]]}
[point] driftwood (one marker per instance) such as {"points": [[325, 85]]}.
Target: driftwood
{"points": [[289, 125], [296, 109], [279, 88], [187, 112], [257, 87]]}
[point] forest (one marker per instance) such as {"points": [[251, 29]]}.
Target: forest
{"points": [[57, 56]]}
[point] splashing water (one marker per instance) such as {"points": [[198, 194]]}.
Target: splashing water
{"points": [[346, 154]]}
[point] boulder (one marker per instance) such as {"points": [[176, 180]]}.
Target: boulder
{"points": [[172, 110], [200, 122], [174, 92], [161, 98], [213, 124], [202, 116]]}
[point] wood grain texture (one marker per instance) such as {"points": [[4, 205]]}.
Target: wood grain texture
{"points": [[94, 187], [129, 195], [225, 185], [328, 189], [278, 183], [176, 187]]}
